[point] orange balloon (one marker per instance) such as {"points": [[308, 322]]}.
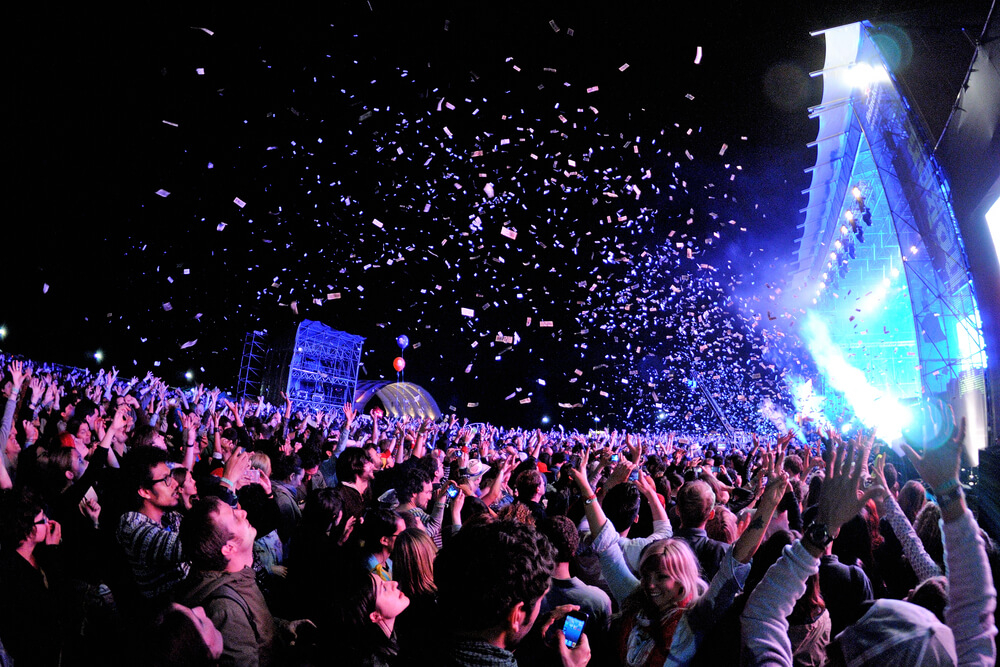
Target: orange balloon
{"points": [[399, 364]]}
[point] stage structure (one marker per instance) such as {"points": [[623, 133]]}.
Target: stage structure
{"points": [[252, 364], [316, 367], [398, 399], [881, 258]]}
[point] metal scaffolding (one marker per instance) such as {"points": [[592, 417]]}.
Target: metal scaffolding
{"points": [[323, 372], [252, 364]]}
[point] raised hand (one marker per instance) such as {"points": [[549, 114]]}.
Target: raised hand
{"points": [[940, 464], [16, 369], [620, 473], [37, 389], [350, 413], [840, 498], [30, 432]]}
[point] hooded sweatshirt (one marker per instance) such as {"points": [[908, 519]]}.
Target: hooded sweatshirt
{"points": [[236, 606]]}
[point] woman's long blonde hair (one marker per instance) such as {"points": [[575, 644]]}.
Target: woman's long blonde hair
{"points": [[677, 559]]}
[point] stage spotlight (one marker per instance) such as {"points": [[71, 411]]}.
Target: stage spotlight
{"points": [[856, 192], [867, 217], [863, 75], [849, 215]]}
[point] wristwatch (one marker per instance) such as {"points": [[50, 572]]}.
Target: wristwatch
{"points": [[818, 535]]}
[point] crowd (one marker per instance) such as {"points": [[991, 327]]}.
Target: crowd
{"points": [[145, 525]]}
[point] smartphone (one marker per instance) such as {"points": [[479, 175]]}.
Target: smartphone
{"points": [[252, 475], [634, 477], [573, 627], [452, 492], [614, 458]]}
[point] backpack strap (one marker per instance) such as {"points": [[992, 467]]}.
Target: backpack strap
{"points": [[227, 592]]}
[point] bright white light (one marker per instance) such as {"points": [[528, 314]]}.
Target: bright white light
{"points": [[863, 75], [886, 282], [993, 223], [849, 215], [3, 332], [833, 255], [872, 406], [838, 244], [894, 272], [545, 420], [913, 250], [98, 356], [189, 376], [856, 191]]}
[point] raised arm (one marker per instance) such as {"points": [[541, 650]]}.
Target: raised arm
{"points": [[923, 565], [971, 595], [765, 624]]}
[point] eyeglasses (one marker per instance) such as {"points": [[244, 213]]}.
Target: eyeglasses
{"points": [[169, 481]]}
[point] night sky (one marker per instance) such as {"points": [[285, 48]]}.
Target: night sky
{"points": [[562, 210]]}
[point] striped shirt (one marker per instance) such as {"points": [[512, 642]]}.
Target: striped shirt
{"points": [[153, 550]]}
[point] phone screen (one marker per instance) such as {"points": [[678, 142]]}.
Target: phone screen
{"points": [[572, 629], [452, 491]]}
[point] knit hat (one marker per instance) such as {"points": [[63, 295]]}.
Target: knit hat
{"points": [[894, 632]]}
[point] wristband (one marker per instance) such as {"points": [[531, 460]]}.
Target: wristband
{"points": [[950, 493], [948, 486], [589, 499], [228, 482]]}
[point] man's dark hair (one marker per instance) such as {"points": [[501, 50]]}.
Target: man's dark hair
{"points": [[411, 483], [377, 523], [793, 465], [487, 568], [621, 505], [285, 466], [891, 476], [562, 535], [310, 458], [137, 469], [351, 464], [17, 517], [201, 537], [528, 483], [142, 436], [426, 463]]}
